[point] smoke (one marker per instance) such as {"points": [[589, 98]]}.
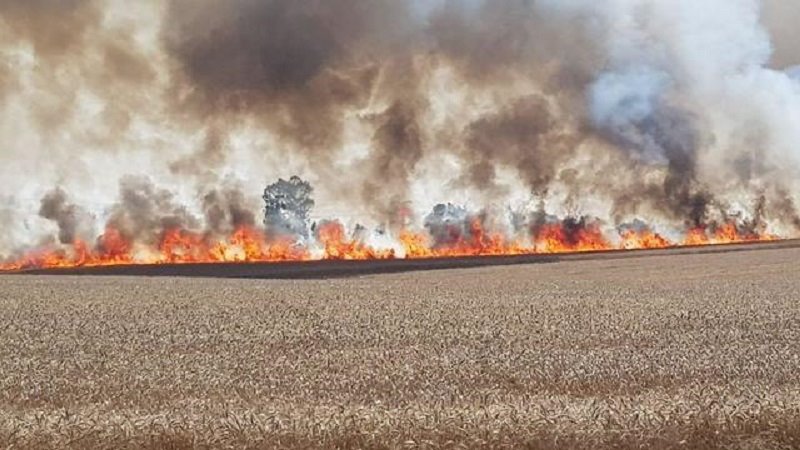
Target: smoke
{"points": [[448, 224], [228, 209], [524, 135], [73, 222], [210, 156], [688, 87], [398, 147], [8, 241], [665, 110], [53, 28], [296, 66], [780, 18], [144, 212]]}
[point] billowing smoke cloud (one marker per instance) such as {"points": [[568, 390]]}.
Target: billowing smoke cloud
{"points": [[144, 211], [631, 110], [297, 66], [524, 135], [228, 209], [662, 110], [688, 87], [7, 223], [73, 222], [398, 147]]}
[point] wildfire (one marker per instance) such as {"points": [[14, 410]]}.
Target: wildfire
{"points": [[250, 244], [727, 233], [632, 240], [337, 245], [569, 237], [477, 242]]}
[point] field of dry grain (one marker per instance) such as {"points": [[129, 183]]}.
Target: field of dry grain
{"points": [[691, 351]]}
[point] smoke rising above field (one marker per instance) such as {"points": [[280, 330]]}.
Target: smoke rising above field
{"points": [[73, 222], [145, 210], [156, 114]]}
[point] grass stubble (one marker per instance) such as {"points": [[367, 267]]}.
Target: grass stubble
{"points": [[693, 351]]}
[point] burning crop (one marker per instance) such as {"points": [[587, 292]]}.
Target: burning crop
{"points": [[430, 129], [289, 234]]}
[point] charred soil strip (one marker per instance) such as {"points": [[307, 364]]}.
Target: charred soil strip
{"points": [[343, 269]]}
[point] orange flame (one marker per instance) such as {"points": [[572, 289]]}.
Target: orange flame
{"points": [[633, 240], [555, 238], [249, 244], [727, 233], [338, 246]]}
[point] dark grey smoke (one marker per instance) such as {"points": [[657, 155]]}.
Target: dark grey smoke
{"points": [[296, 65], [524, 135], [54, 27], [574, 227], [784, 208], [145, 212], [755, 225], [539, 218], [630, 110], [227, 209], [60, 34], [73, 221], [636, 226], [448, 224], [299, 68], [397, 148]]}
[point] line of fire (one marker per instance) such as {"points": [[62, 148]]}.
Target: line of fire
{"points": [[288, 233]]}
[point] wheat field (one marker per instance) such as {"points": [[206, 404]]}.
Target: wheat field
{"points": [[690, 351]]}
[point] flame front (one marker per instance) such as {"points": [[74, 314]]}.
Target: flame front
{"points": [[251, 245]]}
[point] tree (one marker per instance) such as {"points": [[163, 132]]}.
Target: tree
{"points": [[288, 205]]}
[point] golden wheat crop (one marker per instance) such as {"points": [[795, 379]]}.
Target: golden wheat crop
{"points": [[693, 351]]}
